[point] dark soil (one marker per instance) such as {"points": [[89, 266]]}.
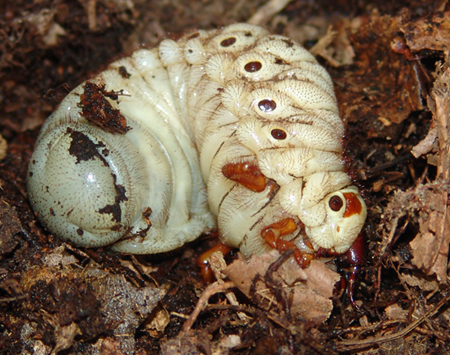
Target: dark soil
{"points": [[384, 60]]}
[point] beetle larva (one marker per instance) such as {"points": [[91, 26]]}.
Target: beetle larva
{"points": [[234, 123]]}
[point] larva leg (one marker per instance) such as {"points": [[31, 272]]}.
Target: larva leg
{"points": [[350, 266], [246, 174], [355, 257], [202, 260], [273, 233]]}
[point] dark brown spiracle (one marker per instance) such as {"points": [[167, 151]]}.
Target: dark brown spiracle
{"points": [[267, 105], [228, 42], [336, 203], [252, 67], [278, 134]]}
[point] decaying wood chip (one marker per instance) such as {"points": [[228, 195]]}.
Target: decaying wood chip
{"points": [[431, 245], [99, 111], [159, 322]]}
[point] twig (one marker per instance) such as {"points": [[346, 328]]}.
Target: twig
{"points": [[230, 307], [372, 327], [15, 298], [203, 300], [77, 251], [180, 315], [354, 344], [218, 264]]}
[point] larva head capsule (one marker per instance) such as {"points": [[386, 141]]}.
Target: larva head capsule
{"points": [[345, 214], [332, 212]]}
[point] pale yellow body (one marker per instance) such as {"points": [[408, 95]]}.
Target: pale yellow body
{"points": [[193, 107]]}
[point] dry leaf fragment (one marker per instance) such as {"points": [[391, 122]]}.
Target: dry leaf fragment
{"points": [[306, 292], [422, 283], [425, 245], [430, 247], [427, 33], [396, 312]]}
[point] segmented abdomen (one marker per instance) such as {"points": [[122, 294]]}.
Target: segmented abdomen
{"points": [[242, 86]]}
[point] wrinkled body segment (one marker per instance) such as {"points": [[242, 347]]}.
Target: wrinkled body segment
{"points": [[233, 127]]}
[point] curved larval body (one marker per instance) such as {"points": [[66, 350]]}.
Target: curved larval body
{"points": [[233, 126]]}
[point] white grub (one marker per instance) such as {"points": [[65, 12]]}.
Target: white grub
{"points": [[184, 110]]}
